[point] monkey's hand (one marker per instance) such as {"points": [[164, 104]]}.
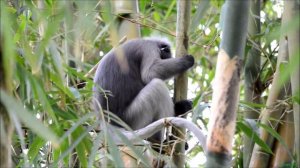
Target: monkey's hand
{"points": [[182, 107], [189, 60]]}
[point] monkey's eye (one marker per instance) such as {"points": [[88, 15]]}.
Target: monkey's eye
{"points": [[165, 52], [165, 48]]}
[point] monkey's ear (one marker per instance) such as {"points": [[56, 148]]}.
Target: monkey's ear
{"points": [[182, 107]]}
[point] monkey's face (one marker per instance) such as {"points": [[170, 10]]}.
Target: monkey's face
{"points": [[165, 51]]}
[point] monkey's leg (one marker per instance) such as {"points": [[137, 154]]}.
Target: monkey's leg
{"points": [[151, 104]]}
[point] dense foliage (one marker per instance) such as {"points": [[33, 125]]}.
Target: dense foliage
{"points": [[50, 47]]}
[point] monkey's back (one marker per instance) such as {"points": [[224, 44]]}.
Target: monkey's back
{"points": [[123, 86]]}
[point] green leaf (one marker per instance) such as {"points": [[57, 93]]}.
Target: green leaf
{"points": [[196, 100], [35, 147], [56, 60], [56, 80], [16, 108], [201, 9], [253, 135], [66, 115], [296, 98], [286, 69], [275, 135], [95, 148], [73, 145], [251, 104], [75, 126], [49, 2], [64, 145], [80, 148], [42, 97], [114, 152], [156, 16], [173, 3], [138, 151]]}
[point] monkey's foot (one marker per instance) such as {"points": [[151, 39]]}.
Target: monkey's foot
{"points": [[182, 107]]}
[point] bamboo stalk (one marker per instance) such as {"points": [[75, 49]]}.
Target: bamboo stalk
{"points": [[272, 111], [282, 155], [226, 85], [252, 82], [181, 82], [292, 9]]}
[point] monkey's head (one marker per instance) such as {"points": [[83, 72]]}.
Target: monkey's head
{"points": [[162, 46]]}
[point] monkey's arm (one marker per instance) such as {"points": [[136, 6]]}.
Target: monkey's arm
{"points": [[166, 68]]}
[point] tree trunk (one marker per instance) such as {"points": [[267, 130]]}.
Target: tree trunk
{"points": [[283, 155], [292, 9], [226, 85], [181, 82], [273, 109], [252, 82]]}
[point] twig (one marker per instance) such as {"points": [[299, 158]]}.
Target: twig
{"points": [[156, 126]]}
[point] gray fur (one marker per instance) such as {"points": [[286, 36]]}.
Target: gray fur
{"points": [[139, 96]]}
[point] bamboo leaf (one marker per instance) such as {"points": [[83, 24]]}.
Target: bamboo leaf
{"points": [[14, 107], [56, 80], [253, 135], [275, 135], [297, 98], [251, 104], [286, 69], [95, 149], [62, 147], [173, 3], [201, 9], [80, 148], [35, 147], [56, 60], [114, 152], [66, 115], [49, 2], [73, 145], [42, 96], [78, 123], [136, 151]]}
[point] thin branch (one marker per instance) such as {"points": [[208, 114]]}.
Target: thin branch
{"points": [[156, 126]]}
